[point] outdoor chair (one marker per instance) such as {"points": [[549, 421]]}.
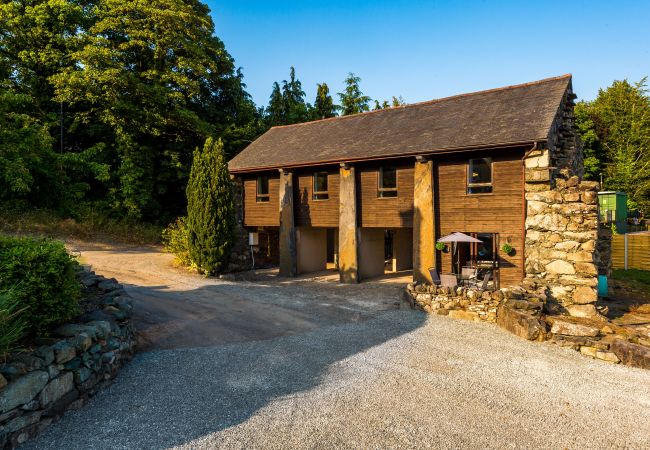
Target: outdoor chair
{"points": [[468, 276], [484, 284], [435, 278], [448, 280]]}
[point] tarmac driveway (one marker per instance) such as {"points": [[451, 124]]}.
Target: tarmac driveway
{"points": [[311, 364]]}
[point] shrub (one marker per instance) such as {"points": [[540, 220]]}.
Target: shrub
{"points": [[175, 240], [440, 246], [210, 209], [507, 248], [12, 321], [42, 275]]}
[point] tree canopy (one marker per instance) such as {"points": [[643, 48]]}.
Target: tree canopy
{"points": [[352, 99], [615, 130]]}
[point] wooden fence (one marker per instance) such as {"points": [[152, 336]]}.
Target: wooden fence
{"points": [[631, 251]]}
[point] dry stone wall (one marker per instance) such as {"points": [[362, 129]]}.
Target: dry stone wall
{"points": [[62, 372]]}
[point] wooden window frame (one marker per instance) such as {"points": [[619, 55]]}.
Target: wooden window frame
{"points": [[320, 195], [471, 185], [262, 198], [382, 190]]}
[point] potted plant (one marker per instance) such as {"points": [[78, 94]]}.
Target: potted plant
{"points": [[441, 246], [507, 248]]}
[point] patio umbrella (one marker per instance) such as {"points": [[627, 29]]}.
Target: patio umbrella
{"points": [[457, 237]]}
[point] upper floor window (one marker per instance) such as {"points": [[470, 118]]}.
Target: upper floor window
{"points": [[479, 176], [263, 189], [320, 186], [387, 182]]}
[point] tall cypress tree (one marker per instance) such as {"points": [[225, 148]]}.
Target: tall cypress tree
{"points": [[324, 106], [210, 209]]}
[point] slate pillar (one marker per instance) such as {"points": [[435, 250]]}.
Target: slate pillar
{"points": [[348, 226], [423, 220], [288, 259]]}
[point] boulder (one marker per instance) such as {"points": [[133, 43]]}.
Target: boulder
{"points": [[585, 311], [56, 389], [559, 267], [22, 390], [631, 354], [63, 352], [464, 315], [571, 327], [583, 295], [520, 323]]}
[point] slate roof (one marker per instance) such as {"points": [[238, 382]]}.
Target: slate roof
{"points": [[510, 115]]}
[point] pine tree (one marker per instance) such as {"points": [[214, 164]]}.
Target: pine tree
{"points": [[324, 106], [294, 99], [275, 113], [210, 209], [352, 99]]}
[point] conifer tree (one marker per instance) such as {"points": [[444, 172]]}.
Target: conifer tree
{"points": [[210, 209], [275, 113], [352, 99], [324, 106]]}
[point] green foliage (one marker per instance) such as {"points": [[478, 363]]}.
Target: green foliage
{"points": [[12, 321], [175, 239], [507, 248], [440, 246], [615, 130], [42, 275], [324, 106], [396, 101], [635, 275], [287, 104], [210, 209], [352, 99]]}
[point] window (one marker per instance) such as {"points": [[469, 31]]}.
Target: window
{"points": [[387, 182], [263, 189], [479, 176], [320, 186]]}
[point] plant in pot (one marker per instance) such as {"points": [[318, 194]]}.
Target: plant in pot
{"points": [[441, 246], [507, 248]]}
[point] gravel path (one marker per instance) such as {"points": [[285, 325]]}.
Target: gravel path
{"points": [[400, 379]]}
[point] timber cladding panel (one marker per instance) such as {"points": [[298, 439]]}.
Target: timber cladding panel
{"points": [[316, 213], [260, 214], [391, 212], [498, 212]]}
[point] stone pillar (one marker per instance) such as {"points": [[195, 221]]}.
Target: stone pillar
{"points": [[423, 221], [348, 226], [288, 259]]}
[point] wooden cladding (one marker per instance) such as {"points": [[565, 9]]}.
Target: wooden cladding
{"points": [[316, 212], [260, 214], [500, 211], [386, 212]]}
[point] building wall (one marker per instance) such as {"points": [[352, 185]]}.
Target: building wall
{"points": [[500, 211], [261, 213], [371, 252], [394, 212], [316, 213], [311, 246]]}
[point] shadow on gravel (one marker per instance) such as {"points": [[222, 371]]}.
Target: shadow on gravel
{"points": [[172, 397]]}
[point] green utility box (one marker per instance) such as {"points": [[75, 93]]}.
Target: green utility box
{"points": [[613, 209]]}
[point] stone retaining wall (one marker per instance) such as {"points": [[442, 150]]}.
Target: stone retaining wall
{"points": [[38, 386]]}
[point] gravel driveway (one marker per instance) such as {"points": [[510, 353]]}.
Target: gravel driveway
{"points": [[362, 376]]}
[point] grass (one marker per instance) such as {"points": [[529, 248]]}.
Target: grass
{"points": [[93, 227], [640, 276]]}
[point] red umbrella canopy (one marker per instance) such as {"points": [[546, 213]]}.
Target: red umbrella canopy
{"points": [[459, 237]]}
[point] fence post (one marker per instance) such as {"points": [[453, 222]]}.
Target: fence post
{"points": [[625, 251]]}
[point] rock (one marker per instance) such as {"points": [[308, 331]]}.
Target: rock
{"points": [[108, 285], [3, 381], [23, 421], [46, 353], [631, 354], [56, 389], [607, 356], [102, 327], [22, 390], [589, 351], [520, 323], [559, 267], [464, 315], [571, 327], [82, 374], [584, 311], [31, 362], [584, 294], [12, 371], [63, 352], [74, 329], [82, 342]]}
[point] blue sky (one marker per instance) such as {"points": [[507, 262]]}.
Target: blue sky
{"points": [[430, 49]]}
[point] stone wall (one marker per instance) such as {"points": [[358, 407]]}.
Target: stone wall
{"points": [[564, 247], [62, 372]]}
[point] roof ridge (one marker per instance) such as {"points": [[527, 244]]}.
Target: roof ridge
{"points": [[428, 102]]}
